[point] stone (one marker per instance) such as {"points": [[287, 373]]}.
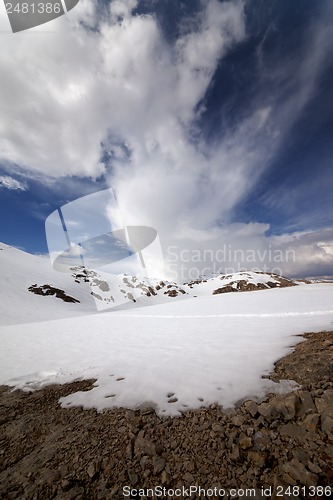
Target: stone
{"points": [[288, 480], [122, 429], [144, 446], [329, 450], [165, 477], [258, 458], [75, 493], [311, 421], [159, 449], [144, 461], [234, 455], [159, 464], [114, 491], [129, 414], [261, 440], [314, 468], [65, 484], [218, 428], [205, 426], [298, 472], [237, 420], [92, 470], [133, 477], [50, 476], [251, 407], [149, 410], [292, 404], [280, 407], [327, 424], [293, 431], [300, 455], [129, 452], [245, 442], [324, 404], [188, 478], [189, 466], [267, 410], [306, 404]]}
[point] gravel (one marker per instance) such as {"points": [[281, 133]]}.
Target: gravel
{"points": [[49, 452]]}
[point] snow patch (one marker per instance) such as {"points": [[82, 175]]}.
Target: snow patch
{"points": [[210, 349]]}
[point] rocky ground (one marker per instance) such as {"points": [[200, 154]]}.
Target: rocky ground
{"points": [[279, 448]]}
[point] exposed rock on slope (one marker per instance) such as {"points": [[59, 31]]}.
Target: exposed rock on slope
{"points": [[117, 289], [249, 281], [51, 290]]}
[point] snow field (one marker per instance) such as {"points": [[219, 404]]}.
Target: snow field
{"points": [[171, 356]]}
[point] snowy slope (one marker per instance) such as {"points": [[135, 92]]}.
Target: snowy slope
{"points": [[19, 270], [29, 287], [176, 355], [32, 291]]}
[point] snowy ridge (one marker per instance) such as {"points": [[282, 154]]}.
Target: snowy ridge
{"points": [[117, 290], [32, 291]]}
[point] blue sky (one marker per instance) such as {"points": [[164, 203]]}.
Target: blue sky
{"points": [[212, 121]]}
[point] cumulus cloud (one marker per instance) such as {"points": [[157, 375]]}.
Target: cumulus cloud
{"points": [[313, 252]]}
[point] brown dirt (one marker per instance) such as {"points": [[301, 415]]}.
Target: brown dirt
{"points": [[49, 452]]}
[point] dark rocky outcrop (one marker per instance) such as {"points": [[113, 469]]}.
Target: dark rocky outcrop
{"points": [[47, 290], [243, 285]]}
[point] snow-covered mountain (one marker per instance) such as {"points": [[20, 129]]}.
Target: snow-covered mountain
{"points": [[116, 290], [31, 290]]}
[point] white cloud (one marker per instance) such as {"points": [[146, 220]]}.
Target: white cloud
{"points": [[222, 25], [121, 9], [64, 93], [12, 184], [121, 88], [313, 252]]}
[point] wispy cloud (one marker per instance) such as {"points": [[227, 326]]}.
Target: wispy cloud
{"points": [[8, 182]]}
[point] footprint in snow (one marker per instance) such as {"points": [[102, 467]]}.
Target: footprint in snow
{"points": [[172, 400]]}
